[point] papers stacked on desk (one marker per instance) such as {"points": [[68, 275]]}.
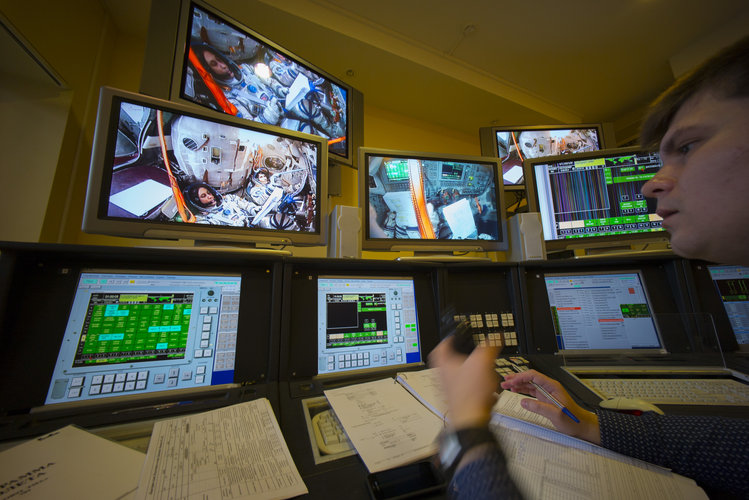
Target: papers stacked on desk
{"points": [[393, 422]]}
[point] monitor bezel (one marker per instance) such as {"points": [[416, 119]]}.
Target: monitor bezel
{"points": [[96, 220], [595, 241], [420, 245], [152, 81], [488, 141], [354, 372]]}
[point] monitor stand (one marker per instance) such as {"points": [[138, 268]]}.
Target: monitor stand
{"points": [[442, 257]]}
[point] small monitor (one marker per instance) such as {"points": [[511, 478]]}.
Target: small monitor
{"points": [[136, 333], [513, 145], [430, 202], [602, 313], [732, 285], [595, 199], [169, 171], [366, 323], [221, 65]]}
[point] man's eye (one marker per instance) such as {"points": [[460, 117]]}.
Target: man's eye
{"points": [[686, 148]]}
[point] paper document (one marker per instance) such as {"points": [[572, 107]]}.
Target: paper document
{"points": [[386, 425], [69, 463], [545, 469], [509, 404], [230, 453], [547, 464], [141, 198]]}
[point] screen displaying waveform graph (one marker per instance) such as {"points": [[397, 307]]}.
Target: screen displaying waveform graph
{"points": [[596, 195], [122, 328]]}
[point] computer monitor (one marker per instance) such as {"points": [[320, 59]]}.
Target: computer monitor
{"points": [[732, 286], [513, 145], [132, 334], [594, 199], [169, 171], [366, 323], [430, 202], [199, 55], [602, 313]]}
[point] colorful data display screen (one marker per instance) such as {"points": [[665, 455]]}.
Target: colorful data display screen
{"points": [[132, 333], [732, 284], [366, 323], [121, 328], [596, 196], [601, 312]]}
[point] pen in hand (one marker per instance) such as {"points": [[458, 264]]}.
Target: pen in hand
{"points": [[548, 396]]}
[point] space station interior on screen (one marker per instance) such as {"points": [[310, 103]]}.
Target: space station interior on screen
{"points": [[232, 72], [431, 199], [215, 174], [539, 143]]}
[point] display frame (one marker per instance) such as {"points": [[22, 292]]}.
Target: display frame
{"points": [[369, 242], [490, 145], [96, 218]]}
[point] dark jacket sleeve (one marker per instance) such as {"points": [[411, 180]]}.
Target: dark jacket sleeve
{"points": [[714, 451], [484, 478]]}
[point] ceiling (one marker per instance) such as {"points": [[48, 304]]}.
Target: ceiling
{"points": [[463, 65]]}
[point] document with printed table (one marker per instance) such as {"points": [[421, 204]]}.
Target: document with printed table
{"points": [[234, 452], [544, 463]]}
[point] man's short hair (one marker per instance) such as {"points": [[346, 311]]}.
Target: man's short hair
{"points": [[726, 74]]}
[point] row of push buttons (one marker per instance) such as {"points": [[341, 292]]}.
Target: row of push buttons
{"points": [[504, 365], [362, 359], [131, 381]]}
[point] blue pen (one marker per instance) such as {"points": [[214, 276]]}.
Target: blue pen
{"points": [[548, 396]]}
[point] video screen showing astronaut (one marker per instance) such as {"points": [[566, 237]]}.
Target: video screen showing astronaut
{"points": [[228, 70], [175, 168], [515, 146], [412, 198]]}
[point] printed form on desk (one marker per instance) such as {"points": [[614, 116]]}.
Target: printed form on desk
{"points": [[234, 452]]}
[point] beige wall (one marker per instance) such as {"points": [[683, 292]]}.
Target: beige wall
{"points": [[80, 41]]}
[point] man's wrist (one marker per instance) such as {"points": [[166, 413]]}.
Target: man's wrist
{"points": [[455, 443]]}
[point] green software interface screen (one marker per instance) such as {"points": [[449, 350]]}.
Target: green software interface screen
{"points": [[121, 328]]}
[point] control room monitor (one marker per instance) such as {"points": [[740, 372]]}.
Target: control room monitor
{"points": [[732, 286], [595, 199], [602, 313], [366, 323], [430, 202], [132, 334]]}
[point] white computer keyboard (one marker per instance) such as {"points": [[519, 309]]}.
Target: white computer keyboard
{"points": [[674, 391], [329, 434]]}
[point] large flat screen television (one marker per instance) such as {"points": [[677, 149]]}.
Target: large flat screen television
{"points": [[594, 199], [207, 58], [515, 144], [169, 171], [430, 202]]}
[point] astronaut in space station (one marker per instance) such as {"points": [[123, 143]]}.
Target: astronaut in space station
{"points": [[214, 173], [233, 72]]}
